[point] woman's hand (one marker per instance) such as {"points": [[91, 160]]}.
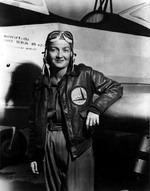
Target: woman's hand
{"points": [[92, 119], [34, 167]]}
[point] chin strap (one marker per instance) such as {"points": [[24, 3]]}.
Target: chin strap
{"points": [[46, 70]]}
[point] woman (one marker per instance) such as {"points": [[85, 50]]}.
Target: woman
{"points": [[63, 114]]}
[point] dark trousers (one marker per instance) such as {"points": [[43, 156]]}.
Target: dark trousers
{"points": [[61, 172]]}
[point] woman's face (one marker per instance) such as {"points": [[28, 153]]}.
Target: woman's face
{"points": [[59, 54]]}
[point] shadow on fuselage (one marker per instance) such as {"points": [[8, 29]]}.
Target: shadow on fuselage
{"points": [[18, 97]]}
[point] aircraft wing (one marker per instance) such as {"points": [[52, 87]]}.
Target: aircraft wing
{"points": [[139, 14]]}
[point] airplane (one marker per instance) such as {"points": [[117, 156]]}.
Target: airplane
{"points": [[108, 42]]}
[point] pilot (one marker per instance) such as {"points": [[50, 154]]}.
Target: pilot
{"points": [[63, 115]]}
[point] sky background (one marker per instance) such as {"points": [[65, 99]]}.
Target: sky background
{"points": [[76, 9]]}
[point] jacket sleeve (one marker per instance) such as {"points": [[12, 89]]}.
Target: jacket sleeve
{"points": [[34, 153], [31, 146], [108, 91]]}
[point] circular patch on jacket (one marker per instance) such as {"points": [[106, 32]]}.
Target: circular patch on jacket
{"points": [[79, 96]]}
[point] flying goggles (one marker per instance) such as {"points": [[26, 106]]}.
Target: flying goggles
{"points": [[56, 35]]}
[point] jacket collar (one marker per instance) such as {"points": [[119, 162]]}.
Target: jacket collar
{"points": [[73, 70], [42, 80]]}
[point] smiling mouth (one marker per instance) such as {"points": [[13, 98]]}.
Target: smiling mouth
{"points": [[59, 61]]}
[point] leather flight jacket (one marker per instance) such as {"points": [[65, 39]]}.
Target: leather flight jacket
{"points": [[76, 90]]}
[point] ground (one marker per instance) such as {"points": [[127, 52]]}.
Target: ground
{"points": [[20, 178]]}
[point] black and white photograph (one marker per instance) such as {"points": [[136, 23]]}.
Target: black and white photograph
{"points": [[74, 95]]}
